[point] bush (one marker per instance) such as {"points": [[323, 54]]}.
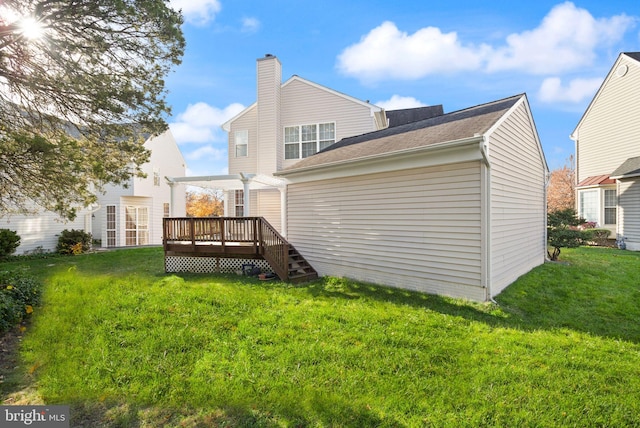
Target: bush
{"points": [[18, 295], [563, 231], [9, 242], [73, 242], [597, 236]]}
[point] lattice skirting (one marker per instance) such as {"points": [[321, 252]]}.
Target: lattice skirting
{"points": [[173, 264]]}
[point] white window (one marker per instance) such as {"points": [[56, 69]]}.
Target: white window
{"points": [[137, 226], [111, 225], [589, 205], [610, 206], [156, 177], [239, 197], [302, 141], [166, 209], [242, 143]]}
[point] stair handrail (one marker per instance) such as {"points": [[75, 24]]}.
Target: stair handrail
{"points": [[274, 248]]}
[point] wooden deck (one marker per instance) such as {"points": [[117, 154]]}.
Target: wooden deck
{"points": [[235, 237]]}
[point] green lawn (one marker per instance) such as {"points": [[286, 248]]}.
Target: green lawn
{"points": [[126, 345]]}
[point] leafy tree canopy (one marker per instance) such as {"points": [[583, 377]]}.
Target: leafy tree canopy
{"points": [[75, 76]]}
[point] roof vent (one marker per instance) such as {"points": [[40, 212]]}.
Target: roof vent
{"points": [[268, 56], [622, 70]]}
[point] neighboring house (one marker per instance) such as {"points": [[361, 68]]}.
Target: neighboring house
{"points": [[451, 204], [607, 142], [131, 216]]}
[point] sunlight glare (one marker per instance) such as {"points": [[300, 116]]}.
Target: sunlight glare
{"points": [[31, 28]]}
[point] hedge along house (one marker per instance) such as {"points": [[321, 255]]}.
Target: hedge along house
{"points": [[452, 205]]}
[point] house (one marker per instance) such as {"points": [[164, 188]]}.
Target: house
{"points": [[450, 204], [122, 216], [607, 141], [132, 215]]}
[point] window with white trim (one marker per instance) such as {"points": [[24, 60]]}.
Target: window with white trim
{"points": [[589, 205], [302, 141], [239, 203], [166, 209], [136, 225], [242, 143], [610, 206], [111, 225]]}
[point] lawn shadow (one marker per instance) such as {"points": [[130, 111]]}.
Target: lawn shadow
{"points": [[561, 311]]}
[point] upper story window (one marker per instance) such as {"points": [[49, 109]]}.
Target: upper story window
{"points": [[301, 141], [242, 143], [156, 177]]}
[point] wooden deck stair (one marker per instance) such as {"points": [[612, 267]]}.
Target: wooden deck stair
{"points": [[236, 237], [299, 268]]}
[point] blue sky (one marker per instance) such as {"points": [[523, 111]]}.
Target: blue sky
{"points": [[397, 55]]}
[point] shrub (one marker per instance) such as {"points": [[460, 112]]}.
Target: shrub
{"points": [[9, 242], [73, 242], [597, 236], [563, 231], [18, 295]]}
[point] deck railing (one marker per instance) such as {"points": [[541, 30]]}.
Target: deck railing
{"points": [[229, 233]]}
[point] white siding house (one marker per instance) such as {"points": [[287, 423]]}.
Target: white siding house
{"points": [[452, 205], [123, 216], [132, 215], [607, 145]]}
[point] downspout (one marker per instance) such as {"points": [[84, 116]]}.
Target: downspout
{"points": [[283, 211], [486, 226], [546, 219]]}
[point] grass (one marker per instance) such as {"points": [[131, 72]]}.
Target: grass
{"points": [[126, 345]]}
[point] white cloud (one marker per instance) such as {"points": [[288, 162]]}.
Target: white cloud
{"points": [[207, 153], [566, 39], [387, 52], [197, 12], [396, 102], [577, 90], [200, 123], [250, 25]]}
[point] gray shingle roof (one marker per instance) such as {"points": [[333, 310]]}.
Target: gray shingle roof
{"points": [[634, 55], [630, 167], [453, 126], [408, 115]]}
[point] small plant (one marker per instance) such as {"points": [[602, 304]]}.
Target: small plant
{"points": [[73, 242], [9, 242], [18, 295], [564, 231]]}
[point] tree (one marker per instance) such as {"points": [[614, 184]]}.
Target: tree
{"points": [[204, 204], [563, 231], [561, 188], [78, 101]]}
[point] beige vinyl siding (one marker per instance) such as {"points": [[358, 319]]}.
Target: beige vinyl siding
{"points": [[268, 206], [303, 103], [268, 114], [417, 229], [629, 212], [517, 200], [247, 164], [610, 131]]}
